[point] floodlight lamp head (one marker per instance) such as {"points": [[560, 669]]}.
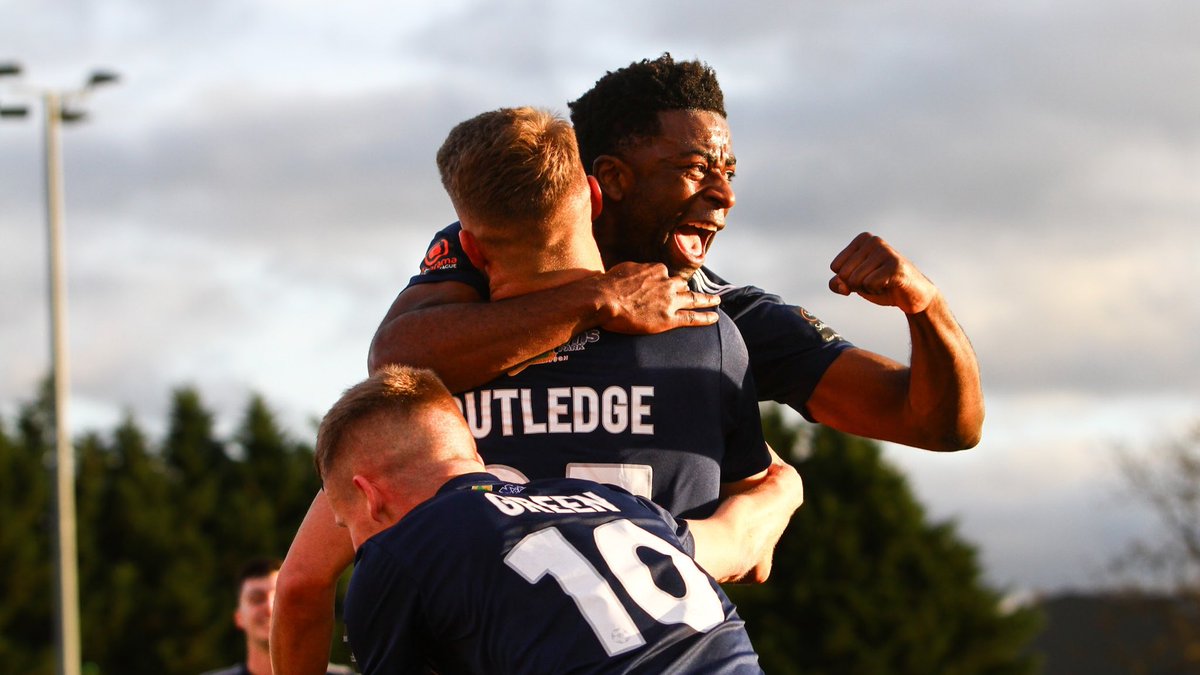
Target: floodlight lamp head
{"points": [[14, 111], [70, 115], [10, 68], [101, 77]]}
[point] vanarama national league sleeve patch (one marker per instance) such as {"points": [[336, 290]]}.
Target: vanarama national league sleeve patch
{"points": [[827, 333], [439, 256]]}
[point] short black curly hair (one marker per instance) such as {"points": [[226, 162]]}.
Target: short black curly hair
{"points": [[623, 106]]}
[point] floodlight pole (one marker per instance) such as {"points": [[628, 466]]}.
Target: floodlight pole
{"points": [[66, 594]]}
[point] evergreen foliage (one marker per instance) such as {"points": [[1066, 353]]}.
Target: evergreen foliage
{"points": [[26, 553], [862, 584], [163, 531]]}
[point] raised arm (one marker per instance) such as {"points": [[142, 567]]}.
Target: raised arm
{"points": [[737, 542], [937, 402], [302, 620], [448, 327]]}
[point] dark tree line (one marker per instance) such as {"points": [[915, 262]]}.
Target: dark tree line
{"points": [[164, 528], [862, 582]]}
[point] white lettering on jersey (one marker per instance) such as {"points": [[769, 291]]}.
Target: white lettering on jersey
{"points": [[569, 410], [588, 502]]}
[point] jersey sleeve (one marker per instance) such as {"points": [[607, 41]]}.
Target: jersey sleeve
{"points": [[683, 531], [445, 260], [745, 449], [380, 611], [790, 349]]}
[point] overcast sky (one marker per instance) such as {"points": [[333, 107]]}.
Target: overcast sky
{"points": [[244, 206]]}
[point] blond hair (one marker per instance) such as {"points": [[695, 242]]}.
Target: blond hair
{"points": [[514, 169], [394, 398], [511, 163]]}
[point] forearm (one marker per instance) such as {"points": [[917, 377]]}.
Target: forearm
{"points": [[446, 326], [470, 343], [945, 394], [737, 543], [302, 621], [728, 551]]}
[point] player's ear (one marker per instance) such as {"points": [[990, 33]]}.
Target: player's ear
{"points": [[597, 197], [369, 492], [613, 175], [470, 246]]}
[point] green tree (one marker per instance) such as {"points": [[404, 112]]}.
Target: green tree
{"points": [[863, 584], [127, 534], [26, 581], [163, 530]]}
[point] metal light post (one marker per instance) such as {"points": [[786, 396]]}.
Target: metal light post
{"points": [[67, 567]]}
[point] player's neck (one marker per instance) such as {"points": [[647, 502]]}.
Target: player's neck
{"points": [[258, 659], [532, 282], [564, 262]]}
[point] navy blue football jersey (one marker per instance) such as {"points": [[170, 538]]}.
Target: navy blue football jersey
{"points": [[558, 576], [668, 417], [790, 349]]}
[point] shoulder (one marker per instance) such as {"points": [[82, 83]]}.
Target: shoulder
{"points": [[735, 300], [756, 311], [445, 260], [444, 250]]}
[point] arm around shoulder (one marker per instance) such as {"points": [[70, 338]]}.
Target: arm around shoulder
{"points": [[450, 328]]}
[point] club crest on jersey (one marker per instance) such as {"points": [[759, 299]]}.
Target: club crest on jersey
{"points": [[827, 333], [438, 257]]}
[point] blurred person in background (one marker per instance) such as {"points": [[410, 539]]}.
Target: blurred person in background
{"points": [[256, 598]]}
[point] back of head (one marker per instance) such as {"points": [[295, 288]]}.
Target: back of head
{"points": [[397, 422], [623, 105], [510, 172]]}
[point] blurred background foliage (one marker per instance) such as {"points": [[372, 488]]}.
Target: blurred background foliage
{"points": [[164, 528]]}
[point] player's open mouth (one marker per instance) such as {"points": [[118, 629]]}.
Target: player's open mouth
{"points": [[692, 242]]}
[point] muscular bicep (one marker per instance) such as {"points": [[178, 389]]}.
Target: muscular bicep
{"points": [[422, 296], [401, 336], [865, 394]]}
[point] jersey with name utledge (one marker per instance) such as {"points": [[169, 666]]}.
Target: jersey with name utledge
{"points": [[669, 416]]}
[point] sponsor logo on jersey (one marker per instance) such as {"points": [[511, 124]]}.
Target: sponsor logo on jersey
{"points": [[561, 352], [511, 489], [438, 257], [580, 342], [567, 410], [827, 333]]}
